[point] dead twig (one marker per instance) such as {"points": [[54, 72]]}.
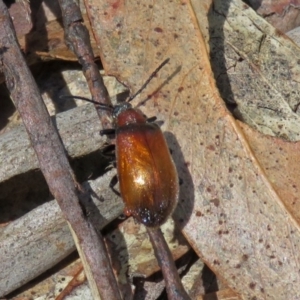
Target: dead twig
{"points": [[78, 40], [174, 287]]}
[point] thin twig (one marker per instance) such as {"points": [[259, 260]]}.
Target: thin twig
{"points": [[53, 161], [174, 287], [78, 40]]}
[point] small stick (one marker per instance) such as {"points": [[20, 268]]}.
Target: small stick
{"points": [[174, 287], [78, 40]]}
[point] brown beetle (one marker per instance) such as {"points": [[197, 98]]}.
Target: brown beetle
{"points": [[146, 172]]}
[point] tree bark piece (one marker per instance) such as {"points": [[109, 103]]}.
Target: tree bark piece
{"points": [[79, 129]]}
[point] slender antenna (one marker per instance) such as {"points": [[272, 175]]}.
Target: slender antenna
{"points": [[102, 105], [149, 79]]}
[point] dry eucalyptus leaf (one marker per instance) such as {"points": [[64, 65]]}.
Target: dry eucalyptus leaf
{"points": [[282, 14], [277, 157], [280, 161], [228, 209], [43, 39], [52, 47], [257, 68]]}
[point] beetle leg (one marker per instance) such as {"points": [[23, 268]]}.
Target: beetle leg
{"points": [[110, 156], [107, 131], [108, 152], [152, 119], [113, 183]]}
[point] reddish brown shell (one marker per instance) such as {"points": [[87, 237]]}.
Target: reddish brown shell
{"points": [[147, 174]]}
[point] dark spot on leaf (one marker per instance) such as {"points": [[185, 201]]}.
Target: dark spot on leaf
{"points": [[158, 29], [211, 147], [215, 201], [198, 213], [245, 257], [252, 285]]}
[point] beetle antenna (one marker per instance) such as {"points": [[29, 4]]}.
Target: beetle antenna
{"points": [[149, 79], [101, 105]]}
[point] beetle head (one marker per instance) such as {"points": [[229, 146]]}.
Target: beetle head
{"points": [[119, 108]]}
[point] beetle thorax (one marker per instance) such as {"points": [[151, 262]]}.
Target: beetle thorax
{"points": [[124, 115]]}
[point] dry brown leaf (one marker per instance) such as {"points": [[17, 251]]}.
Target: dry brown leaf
{"points": [[256, 67], [277, 157], [280, 162], [48, 43], [282, 14], [228, 209], [43, 39]]}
